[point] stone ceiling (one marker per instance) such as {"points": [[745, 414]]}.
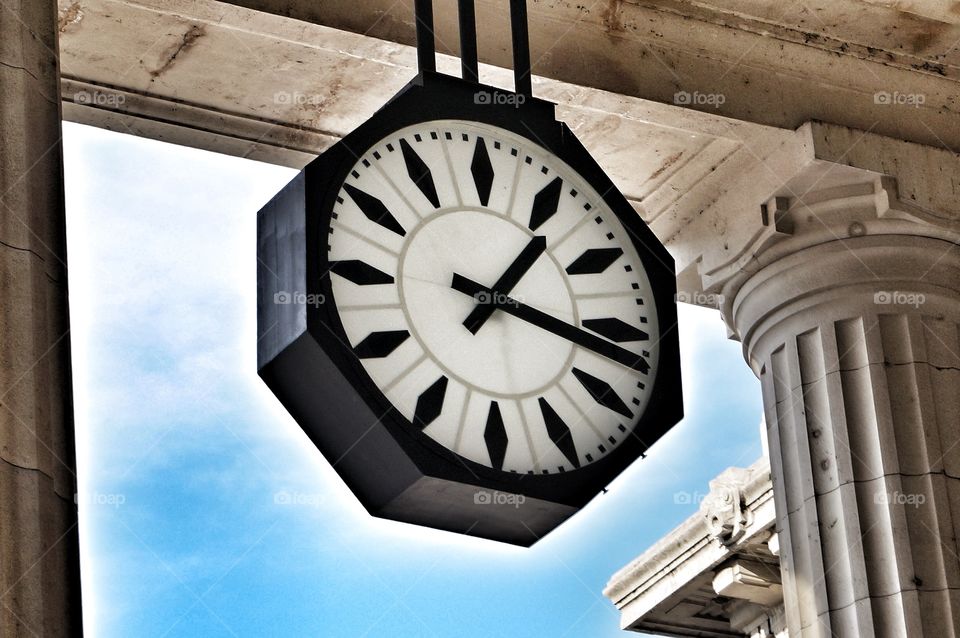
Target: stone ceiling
{"points": [[283, 82]]}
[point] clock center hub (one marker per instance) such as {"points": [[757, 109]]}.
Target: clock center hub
{"points": [[506, 356]]}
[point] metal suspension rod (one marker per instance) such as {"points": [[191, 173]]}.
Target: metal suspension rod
{"points": [[469, 69], [426, 55], [521, 48]]}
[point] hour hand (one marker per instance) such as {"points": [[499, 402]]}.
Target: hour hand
{"points": [[552, 325], [510, 277]]}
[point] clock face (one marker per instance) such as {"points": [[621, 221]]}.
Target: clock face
{"points": [[493, 297]]}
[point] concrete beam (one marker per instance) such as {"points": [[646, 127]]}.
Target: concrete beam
{"points": [[258, 85], [778, 64]]}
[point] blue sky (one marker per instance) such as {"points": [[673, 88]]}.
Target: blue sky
{"points": [[204, 511]]}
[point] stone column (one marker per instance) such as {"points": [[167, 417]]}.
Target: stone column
{"points": [[849, 313], [39, 554]]}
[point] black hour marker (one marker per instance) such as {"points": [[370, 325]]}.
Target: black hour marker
{"points": [[545, 203], [495, 436], [377, 345], [482, 171], [374, 209], [430, 403], [615, 330], [559, 433], [602, 393], [360, 272], [593, 261], [419, 172]]}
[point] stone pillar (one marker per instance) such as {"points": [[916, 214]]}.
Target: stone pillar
{"points": [[849, 313], [39, 553]]}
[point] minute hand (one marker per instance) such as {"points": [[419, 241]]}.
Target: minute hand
{"points": [[553, 325]]}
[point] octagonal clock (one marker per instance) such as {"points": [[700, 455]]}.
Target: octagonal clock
{"points": [[466, 317]]}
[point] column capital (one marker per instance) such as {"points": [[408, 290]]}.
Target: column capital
{"points": [[832, 238], [829, 202], [822, 183]]}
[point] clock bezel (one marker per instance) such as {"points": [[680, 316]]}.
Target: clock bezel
{"points": [[432, 97]]}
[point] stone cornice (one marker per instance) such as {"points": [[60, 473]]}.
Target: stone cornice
{"points": [[740, 499]]}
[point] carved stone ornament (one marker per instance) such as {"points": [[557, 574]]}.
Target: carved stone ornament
{"points": [[724, 508]]}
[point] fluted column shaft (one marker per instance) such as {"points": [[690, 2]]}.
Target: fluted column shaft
{"points": [[855, 341], [39, 555]]}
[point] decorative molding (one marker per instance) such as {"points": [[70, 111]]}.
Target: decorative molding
{"points": [[724, 509], [734, 523]]}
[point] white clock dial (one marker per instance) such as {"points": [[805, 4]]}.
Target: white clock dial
{"points": [[493, 297]]}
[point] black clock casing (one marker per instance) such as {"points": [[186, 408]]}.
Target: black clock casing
{"points": [[395, 470]]}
